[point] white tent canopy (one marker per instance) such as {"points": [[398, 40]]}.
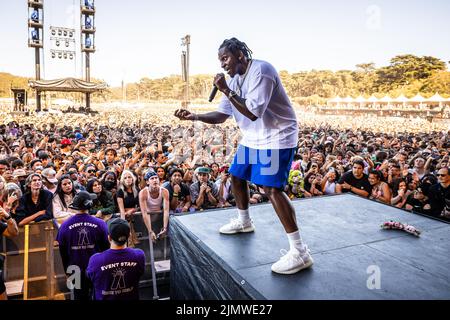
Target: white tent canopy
{"points": [[401, 98], [436, 98], [386, 99], [360, 99], [348, 99], [373, 99], [417, 98], [336, 99]]}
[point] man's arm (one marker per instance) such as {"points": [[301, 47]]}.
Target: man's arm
{"points": [[359, 192], [200, 199], [31, 218], [10, 224], [238, 102], [214, 117], [213, 194]]}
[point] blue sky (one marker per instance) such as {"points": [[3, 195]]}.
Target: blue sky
{"points": [[138, 38]]}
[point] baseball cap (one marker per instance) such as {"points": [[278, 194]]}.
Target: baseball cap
{"points": [[149, 174], [49, 175], [78, 136], [118, 230], [65, 142], [83, 201], [203, 170], [19, 173]]}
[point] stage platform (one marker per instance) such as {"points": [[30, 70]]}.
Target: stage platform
{"points": [[349, 248]]}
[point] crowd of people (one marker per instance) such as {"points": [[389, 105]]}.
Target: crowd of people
{"points": [[43, 165], [158, 165]]}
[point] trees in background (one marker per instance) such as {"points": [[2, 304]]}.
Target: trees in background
{"points": [[407, 74]]}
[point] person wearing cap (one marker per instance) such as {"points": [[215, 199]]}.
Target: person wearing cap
{"points": [[154, 200], [35, 164], [204, 193], [80, 237], [115, 273], [49, 179], [79, 136], [36, 203], [20, 176], [179, 193], [66, 146]]}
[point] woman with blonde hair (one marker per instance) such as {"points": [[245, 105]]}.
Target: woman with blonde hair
{"points": [[128, 202]]}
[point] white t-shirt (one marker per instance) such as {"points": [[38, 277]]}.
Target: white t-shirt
{"points": [[276, 126]]}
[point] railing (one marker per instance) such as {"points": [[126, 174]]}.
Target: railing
{"points": [[33, 266]]}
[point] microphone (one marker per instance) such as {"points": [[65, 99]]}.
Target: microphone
{"points": [[213, 93]]}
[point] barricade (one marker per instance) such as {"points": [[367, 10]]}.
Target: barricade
{"points": [[33, 266]]}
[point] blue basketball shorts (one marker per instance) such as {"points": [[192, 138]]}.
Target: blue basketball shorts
{"points": [[264, 167]]}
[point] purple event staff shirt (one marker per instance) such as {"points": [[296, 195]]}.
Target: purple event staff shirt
{"points": [[115, 274], [79, 238]]}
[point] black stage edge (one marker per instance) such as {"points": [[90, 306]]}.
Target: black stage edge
{"points": [[347, 244]]}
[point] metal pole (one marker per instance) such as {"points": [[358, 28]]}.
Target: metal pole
{"points": [[152, 266], [38, 77], [88, 79], [25, 263], [188, 42], [50, 261]]}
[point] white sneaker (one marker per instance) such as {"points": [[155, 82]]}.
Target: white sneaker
{"points": [[293, 261], [236, 226]]}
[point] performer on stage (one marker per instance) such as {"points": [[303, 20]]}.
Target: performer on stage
{"points": [[255, 97]]}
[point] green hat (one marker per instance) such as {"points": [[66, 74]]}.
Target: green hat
{"points": [[203, 170]]}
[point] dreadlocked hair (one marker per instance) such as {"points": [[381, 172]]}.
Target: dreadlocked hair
{"points": [[234, 46]]}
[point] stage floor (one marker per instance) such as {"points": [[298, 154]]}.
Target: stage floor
{"points": [[348, 246]]}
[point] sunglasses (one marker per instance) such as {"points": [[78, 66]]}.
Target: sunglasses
{"points": [[441, 175], [90, 171]]}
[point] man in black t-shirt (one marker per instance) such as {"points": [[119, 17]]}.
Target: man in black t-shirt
{"points": [[355, 181], [179, 193], [439, 195]]}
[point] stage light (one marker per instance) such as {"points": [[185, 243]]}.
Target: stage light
{"points": [[35, 16], [59, 32], [67, 43], [65, 55], [34, 35], [53, 32], [60, 55], [57, 43], [88, 23], [88, 42], [65, 33], [71, 56], [53, 55], [71, 34], [89, 4]]}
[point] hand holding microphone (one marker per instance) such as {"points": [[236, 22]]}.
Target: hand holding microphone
{"points": [[219, 84], [213, 93]]}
